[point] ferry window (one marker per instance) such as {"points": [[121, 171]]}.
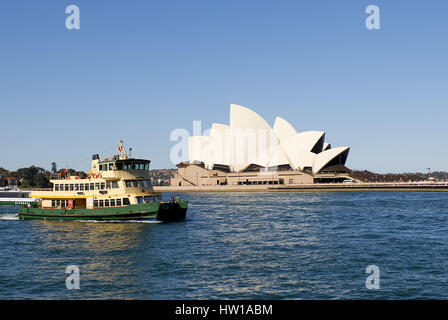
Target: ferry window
{"points": [[114, 184], [81, 187], [91, 187], [118, 202], [127, 166], [148, 183], [95, 203], [56, 187], [119, 166], [126, 201], [111, 166], [101, 167], [66, 187], [128, 183], [112, 202], [147, 199], [101, 203], [97, 186], [140, 183], [58, 203], [134, 183], [103, 185], [139, 200], [76, 187], [134, 166], [105, 167], [147, 166], [53, 203], [86, 187], [106, 202], [107, 185], [71, 187]]}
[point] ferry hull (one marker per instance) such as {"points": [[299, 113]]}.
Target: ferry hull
{"points": [[149, 211], [172, 211], [131, 212]]}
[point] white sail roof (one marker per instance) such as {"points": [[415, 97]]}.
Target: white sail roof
{"points": [[249, 139], [220, 153], [323, 158], [283, 129]]}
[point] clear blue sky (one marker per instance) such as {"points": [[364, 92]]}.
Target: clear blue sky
{"points": [[136, 70]]}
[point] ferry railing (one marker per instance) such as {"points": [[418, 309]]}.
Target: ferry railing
{"points": [[37, 189]]}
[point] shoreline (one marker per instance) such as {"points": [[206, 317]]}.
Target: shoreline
{"points": [[381, 186]]}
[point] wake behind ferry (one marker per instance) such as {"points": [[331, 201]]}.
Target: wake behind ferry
{"points": [[117, 188]]}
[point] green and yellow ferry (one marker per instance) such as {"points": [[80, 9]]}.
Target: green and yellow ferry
{"points": [[117, 188]]}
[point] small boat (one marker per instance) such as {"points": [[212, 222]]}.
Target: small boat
{"points": [[16, 197], [117, 188]]}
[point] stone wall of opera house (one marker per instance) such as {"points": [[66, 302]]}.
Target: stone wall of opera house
{"points": [[196, 175]]}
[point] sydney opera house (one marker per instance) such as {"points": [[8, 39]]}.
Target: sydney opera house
{"points": [[249, 151]]}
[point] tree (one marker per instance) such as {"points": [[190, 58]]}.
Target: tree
{"points": [[3, 171], [40, 181], [27, 173]]}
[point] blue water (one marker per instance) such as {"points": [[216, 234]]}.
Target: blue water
{"points": [[239, 246]]}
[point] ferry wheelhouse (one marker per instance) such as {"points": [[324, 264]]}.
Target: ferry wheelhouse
{"points": [[116, 188]]}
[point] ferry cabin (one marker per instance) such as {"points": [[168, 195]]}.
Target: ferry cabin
{"points": [[111, 183]]}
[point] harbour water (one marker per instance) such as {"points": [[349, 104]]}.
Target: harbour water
{"points": [[291, 245]]}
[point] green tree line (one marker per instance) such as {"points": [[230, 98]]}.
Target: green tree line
{"points": [[36, 177]]}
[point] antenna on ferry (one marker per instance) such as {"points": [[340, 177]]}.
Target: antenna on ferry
{"points": [[123, 155], [130, 152]]}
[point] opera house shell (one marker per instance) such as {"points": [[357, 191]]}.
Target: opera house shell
{"points": [[250, 144]]}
